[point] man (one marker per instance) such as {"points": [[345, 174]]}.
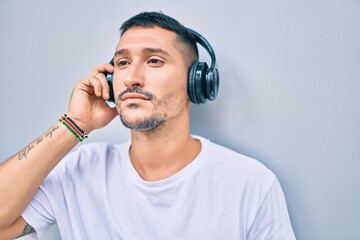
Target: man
{"points": [[164, 183]]}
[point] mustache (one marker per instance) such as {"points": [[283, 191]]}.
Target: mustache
{"points": [[136, 90]]}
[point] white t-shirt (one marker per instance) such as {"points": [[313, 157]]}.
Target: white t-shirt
{"points": [[95, 193]]}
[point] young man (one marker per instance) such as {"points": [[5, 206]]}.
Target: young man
{"points": [[164, 183]]}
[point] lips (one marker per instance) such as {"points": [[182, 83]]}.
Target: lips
{"points": [[133, 96]]}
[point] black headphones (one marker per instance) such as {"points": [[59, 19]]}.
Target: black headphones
{"points": [[203, 82]]}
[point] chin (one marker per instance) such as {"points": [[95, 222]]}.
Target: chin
{"points": [[142, 123]]}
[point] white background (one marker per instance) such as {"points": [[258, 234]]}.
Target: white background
{"points": [[289, 95]]}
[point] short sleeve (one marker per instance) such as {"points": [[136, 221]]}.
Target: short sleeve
{"points": [[272, 221]]}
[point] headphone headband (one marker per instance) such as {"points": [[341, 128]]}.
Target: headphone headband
{"points": [[203, 42]]}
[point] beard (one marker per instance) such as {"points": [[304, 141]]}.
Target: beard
{"points": [[143, 124], [158, 117]]}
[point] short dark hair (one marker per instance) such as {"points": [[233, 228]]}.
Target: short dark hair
{"points": [[152, 19]]}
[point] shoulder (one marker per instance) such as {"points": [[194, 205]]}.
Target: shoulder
{"points": [[234, 164], [245, 179], [95, 155]]}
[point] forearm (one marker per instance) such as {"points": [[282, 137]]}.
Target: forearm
{"points": [[22, 174]]}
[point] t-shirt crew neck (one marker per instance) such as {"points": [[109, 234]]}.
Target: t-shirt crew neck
{"points": [[187, 170]]}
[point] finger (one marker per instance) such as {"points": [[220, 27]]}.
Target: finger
{"points": [[95, 83], [103, 68], [104, 85]]}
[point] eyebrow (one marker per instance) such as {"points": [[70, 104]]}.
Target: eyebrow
{"points": [[149, 50], [120, 52]]}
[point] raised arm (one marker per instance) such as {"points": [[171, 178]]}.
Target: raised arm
{"points": [[22, 174]]}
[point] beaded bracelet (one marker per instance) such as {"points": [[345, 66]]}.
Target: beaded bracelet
{"points": [[75, 129]]}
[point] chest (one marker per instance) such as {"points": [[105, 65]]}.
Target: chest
{"points": [[186, 210]]}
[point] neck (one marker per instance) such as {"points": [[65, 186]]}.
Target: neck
{"points": [[161, 153]]}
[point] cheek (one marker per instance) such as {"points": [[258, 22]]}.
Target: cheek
{"points": [[173, 102], [118, 85], [167, 83]]}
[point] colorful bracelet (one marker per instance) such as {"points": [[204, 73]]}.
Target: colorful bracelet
{"points": [[75, 129]]}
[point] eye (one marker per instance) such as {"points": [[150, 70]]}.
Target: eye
{"points": [[122, 63], [155, 62]]}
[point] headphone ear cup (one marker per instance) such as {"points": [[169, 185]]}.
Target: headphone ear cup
{"points": [[109, 78], [196, 81], [211, 85], [191, 82]]}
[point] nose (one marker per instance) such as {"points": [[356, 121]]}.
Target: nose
{"points": [[133, 76]]}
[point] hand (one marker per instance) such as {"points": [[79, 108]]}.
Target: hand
{"points": [[87, 104]]}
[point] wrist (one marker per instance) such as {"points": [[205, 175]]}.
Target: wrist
{"points": [[81, 122], [74, 127]]}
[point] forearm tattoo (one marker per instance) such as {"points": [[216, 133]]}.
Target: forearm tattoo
{"points": [[24, 153], [27, 230]]}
